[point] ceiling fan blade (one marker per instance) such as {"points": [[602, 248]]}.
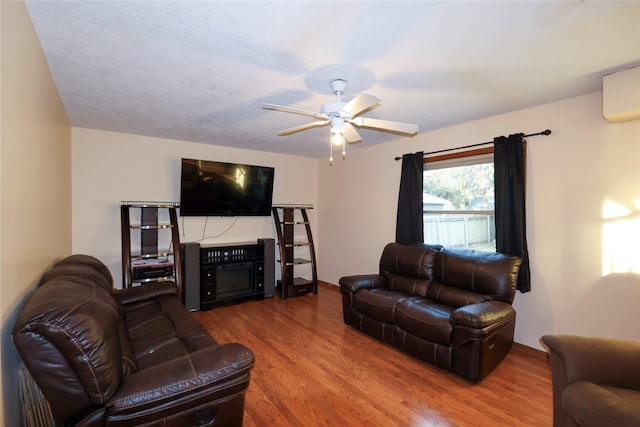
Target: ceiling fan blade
{"points": [[351, 135], [386, 125], [293, 110], [304, 127], [361, 104]]}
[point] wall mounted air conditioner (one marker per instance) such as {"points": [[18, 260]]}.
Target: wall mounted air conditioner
{"points": [[621, 96]]}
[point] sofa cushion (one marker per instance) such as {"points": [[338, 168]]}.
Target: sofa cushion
{"points": [[160, 329], [408, 269], [407, 285], [453, 296], [129, 360], [426, 319], [489, 273], [589, 404], [379, 304]]}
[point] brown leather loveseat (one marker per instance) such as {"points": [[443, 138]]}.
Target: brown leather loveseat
{"points": [[448, 307], [129, 357]]}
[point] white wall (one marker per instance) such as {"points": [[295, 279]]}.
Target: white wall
{"points": [[112, 167], [584, 163], [35, 180]]}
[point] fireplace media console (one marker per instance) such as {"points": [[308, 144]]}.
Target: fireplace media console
{"points": [[227, 273]]}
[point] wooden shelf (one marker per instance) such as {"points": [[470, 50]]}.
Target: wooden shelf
{"points": [[297, 261], [297, 244], [150, 227], [299, 286]]}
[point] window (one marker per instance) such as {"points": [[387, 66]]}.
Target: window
{"points": [[458, 200]]}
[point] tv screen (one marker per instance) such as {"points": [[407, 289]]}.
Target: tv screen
{"points": [[209, 188]]}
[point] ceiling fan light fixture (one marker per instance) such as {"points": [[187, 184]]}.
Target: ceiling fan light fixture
{"points": [[337, 138], [337, 131]]}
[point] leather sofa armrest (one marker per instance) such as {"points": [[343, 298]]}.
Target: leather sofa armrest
{"points": [[603, 361], [144, 291], [364, 281], [163, 385], [482, 315]]}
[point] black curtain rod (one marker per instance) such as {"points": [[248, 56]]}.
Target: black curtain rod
{"points": [[544, 132]]}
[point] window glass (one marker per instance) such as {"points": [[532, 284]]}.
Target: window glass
{"points": [[459, 203]]}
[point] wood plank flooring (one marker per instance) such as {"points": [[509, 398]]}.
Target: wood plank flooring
{"points": [[313, 370]]}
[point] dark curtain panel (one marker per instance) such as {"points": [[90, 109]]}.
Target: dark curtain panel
{"points": [[409, 226], [511, 230]]}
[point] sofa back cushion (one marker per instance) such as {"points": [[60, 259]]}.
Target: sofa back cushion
{"points": [[408, 268], [72, 337], [82, 265], [454, 297], [86, 269], [464, 276]]}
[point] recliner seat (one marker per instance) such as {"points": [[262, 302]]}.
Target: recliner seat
{"points": [[131, 357]]}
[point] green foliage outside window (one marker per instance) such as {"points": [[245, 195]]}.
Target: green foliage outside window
{"points": [[466, 187]]}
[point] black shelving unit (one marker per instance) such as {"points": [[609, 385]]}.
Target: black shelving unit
{"points": [[294, 252], [153, 255]]}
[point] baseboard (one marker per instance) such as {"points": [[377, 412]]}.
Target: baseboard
{"points": [[322, 282], [531, 351]]}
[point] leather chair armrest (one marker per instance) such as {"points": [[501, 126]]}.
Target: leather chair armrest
{"points": [[216, 367], [144, 291], [590, 404], [482, 315], [364, 281], [603, 361]]}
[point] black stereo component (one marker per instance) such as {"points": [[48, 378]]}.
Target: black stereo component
{"points": [[150, 269], [223, 274], [269, 267], [191, 278]]}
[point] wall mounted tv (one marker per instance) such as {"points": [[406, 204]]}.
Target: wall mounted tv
{"points": [[210, 188]]}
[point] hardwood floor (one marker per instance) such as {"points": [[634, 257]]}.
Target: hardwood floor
{"points": [[313, 370]]}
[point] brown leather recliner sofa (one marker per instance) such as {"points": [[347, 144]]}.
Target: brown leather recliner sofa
{"points": [[448, 307], [596, 381], [131, 357]]}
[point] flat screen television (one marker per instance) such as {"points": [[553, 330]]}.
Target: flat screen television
{"points": [[210, 188]]}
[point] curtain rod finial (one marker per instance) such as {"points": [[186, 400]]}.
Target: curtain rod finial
{"points": [[546, 132]]}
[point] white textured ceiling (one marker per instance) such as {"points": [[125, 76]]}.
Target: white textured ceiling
{"points": [[199, 71]]}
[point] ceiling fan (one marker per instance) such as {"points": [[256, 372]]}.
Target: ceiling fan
{"points": [[343, 116]]}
